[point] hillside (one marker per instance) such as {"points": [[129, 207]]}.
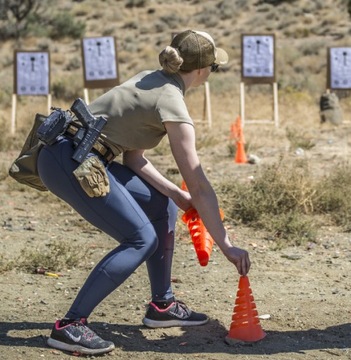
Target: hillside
{"points": [[304, 29]]}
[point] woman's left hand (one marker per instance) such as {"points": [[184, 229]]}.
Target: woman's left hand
{"points": [[240, 258]]}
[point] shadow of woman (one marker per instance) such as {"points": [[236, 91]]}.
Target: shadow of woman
{"points": [[208, 338]]}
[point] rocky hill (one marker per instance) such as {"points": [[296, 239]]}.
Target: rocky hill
{"points": [[304, 30]]}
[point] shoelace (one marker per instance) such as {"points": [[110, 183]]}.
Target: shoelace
{"points": [[87, 333], [181, 307]]}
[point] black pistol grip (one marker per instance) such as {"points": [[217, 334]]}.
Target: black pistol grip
{"points": [[81, 110]]}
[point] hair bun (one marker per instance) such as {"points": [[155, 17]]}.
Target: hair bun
{"points": [[170, 60]]}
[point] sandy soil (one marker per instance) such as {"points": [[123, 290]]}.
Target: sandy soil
{"points": [[304, 290]]}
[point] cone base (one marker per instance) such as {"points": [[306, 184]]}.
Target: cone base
{"points": [[245, 336], [235, 342], [240, 156]]}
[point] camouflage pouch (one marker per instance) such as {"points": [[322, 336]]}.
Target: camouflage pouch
{"points": [[92, 177]]}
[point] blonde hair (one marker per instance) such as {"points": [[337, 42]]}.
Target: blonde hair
{"points": [[170, 60]]}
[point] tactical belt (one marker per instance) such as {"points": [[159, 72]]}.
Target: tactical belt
{"points": [[99, 147]]}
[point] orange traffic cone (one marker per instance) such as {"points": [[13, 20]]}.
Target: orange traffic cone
{"points": [[203, 242], [236, 129], [245, 324], [201, 238], [237, 133], [240, 156]]}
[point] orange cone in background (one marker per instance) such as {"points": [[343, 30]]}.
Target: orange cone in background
{"points": [[202, 240], [240, 156], [245, 324], [237, 133]]}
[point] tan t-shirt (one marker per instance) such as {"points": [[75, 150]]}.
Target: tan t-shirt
{"points": [[136, 110]]}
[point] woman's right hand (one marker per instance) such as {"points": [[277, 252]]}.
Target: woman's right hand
{"points": [[182, 199], [240, 258]]}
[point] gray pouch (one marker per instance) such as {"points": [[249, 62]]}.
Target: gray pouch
{"points": [[54, 126]]}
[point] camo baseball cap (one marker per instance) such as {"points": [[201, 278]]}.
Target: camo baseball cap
{"points": [[198, 50]]}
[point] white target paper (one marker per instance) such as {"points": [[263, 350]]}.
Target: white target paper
{"points": [[258, 56], [99, 58], [32, 73], [340, 68]]}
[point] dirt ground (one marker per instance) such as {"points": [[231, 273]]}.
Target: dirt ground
{"points": [[304, 291]]}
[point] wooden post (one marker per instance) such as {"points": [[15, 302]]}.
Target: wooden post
{"points": [[13, 115], [49, 103], [100, 63], [275, 119], [275, 105], [86, 96], [258, 67], [242, 103], [207, 106]]}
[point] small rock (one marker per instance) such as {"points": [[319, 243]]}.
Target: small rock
{"points": [[253, 159]]}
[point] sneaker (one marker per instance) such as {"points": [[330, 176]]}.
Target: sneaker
{"points": [[77, 337], [176, 314]]}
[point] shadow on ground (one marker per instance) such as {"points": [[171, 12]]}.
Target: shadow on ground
{"points": [[207, 339]]}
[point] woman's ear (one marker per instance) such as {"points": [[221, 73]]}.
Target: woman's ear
{"points": [[202, 71]]}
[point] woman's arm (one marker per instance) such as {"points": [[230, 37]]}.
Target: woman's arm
{"points": [[137, 162], [204, 199]]}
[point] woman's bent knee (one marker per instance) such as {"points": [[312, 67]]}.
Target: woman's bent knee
{"points": [[145, 239]]}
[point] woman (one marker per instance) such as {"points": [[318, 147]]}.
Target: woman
{"points": [[132, 202]]}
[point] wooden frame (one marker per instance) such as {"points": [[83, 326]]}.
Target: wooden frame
{"points": [[339, 68], [207, 112], [275, 119], [31, 78], [28, 72], [100, 63], [258, 67]]}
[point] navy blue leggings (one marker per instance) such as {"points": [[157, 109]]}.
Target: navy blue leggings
{"points": [[134, 213]]}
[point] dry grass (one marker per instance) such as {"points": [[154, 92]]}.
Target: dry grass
{"points": [[143, 28]]}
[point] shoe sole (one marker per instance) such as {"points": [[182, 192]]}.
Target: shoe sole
{"points": [[171, 323], [77, 348]]}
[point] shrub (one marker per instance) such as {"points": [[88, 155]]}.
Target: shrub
{"points": [[67, 88], [299, 140], [348, 3], [290, 228], [275, 2], [64, 25], [57, 256], [334, 196], [5, 265], [279, 199], [285, 200], [136, 3]]}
